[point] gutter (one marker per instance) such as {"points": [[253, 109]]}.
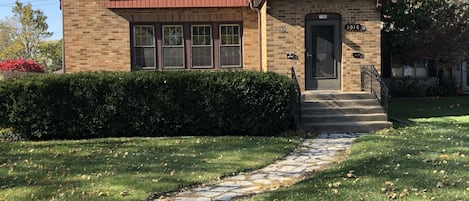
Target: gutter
{"points": [[256, 5]]}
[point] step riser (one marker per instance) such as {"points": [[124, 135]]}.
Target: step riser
{"points": [[326, 104], [344, 96], [326, 111], [345, 119], [358, 128]]}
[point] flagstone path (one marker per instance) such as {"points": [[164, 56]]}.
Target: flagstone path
{"points": [[312, 155]]}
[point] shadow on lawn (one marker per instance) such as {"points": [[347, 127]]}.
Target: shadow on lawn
{"points": [[406, 109]]}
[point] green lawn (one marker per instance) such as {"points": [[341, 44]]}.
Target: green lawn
{"points": [[407, 108], [428, 160], [128, 168]]}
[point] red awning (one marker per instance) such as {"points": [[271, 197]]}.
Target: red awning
{"points": [[175, 3]]}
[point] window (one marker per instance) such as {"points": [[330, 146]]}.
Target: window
{"points": [[230, 45], [202, 50], [422, 69], [158, 46], [173, 46], [144, 47]]}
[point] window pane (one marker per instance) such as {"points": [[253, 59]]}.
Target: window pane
{"points": [[144, 36], [235, 30], [409, 71], [173, 35], [145, 57], [173, 56], [202, 57], [230, 35], [421, 72], [230, 56], [202, 35], [196, 40], [397, 72], [420, 69], [235, 40]]}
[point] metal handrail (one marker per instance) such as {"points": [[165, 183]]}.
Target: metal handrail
{"points": [[369, 78], [297, 107]]}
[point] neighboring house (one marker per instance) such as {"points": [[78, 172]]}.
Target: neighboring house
{"points": [[326, 41], [424, 72], [461, 73]]}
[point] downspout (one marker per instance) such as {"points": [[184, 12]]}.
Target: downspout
{"points": [[63, 38], [259, 28]]}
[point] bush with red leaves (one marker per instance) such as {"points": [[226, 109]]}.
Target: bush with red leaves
{"points": [[21, 65]]}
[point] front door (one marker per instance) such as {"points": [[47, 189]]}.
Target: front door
{"points": [[323, 54]]}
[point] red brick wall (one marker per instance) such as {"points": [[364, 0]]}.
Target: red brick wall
{"points": [[290, 16]]}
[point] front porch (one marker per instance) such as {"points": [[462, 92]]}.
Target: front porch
{"points": [[336, 111], [325, 111]]}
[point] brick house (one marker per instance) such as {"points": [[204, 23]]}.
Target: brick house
{"points": [[326, 41]]}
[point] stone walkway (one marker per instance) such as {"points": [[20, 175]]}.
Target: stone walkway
{"points": [[312, 155]]}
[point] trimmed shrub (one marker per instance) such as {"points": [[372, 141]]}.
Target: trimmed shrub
{"points": [[92, 105], [21, 65]]}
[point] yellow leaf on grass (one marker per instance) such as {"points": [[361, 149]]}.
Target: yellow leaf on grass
{"points": [[124, 193]]}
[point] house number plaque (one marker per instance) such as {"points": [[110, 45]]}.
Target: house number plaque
{"points": [[355, 27]]}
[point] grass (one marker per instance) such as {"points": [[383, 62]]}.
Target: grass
{"points": [[427, 160], [127, 168], [408, 108]]}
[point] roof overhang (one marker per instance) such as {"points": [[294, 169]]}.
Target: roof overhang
{"points": [[176, 3]]}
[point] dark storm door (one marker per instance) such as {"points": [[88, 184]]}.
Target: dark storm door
{"points": [[323, 55]]}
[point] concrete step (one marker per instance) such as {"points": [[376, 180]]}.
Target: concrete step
{"points": [[312, 96], [328, 118], [342, 110], [333, 111], [340, 103], [351, 126]]}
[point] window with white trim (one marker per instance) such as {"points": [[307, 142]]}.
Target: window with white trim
{"points": [[173, 46], [230, 45], [144, 46], [202, 46], [186, 46]]}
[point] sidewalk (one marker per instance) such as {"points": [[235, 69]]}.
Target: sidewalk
{"points": [[312, 155]]}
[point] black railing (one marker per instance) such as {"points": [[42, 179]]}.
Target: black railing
{"points": [[371, 81], [297, 108]]}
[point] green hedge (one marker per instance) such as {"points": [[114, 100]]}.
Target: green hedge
{"points": [[91, 105]]}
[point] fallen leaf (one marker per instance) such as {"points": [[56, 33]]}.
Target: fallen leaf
{"points": [[404, 193], [124, 193], [427, 160], [336, 184]]}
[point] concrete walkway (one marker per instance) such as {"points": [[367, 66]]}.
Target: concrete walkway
{"points": [[312, 155]]}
